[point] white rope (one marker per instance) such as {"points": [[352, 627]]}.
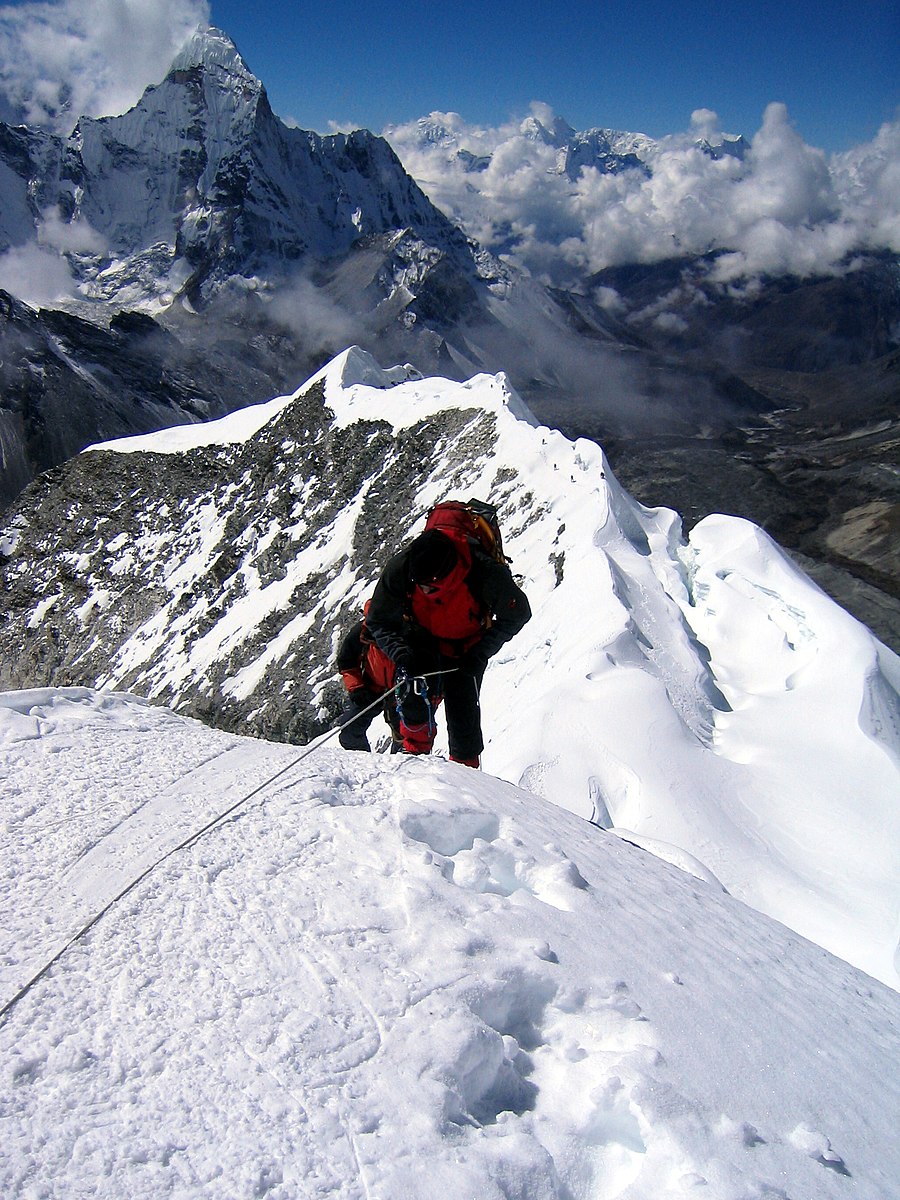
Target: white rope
{"points": [[195, 836]]}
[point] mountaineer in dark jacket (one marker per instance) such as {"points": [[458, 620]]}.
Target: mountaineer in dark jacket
{"points": [[441, 604]]}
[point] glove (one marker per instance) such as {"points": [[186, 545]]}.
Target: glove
{"points": [[403, 661]]}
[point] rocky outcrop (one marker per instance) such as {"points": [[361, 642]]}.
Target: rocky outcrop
{"points": [[172, 545], [66, 383]]}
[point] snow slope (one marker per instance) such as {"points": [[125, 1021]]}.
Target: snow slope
{"points": [[702, 694], [383, 978]]}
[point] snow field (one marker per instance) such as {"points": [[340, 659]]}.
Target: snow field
{"points": [[388, 977]]}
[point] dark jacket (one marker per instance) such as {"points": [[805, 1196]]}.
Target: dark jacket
{"points": [[390, 622]]}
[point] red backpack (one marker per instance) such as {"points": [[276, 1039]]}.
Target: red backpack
{"points": [[473, 520]]}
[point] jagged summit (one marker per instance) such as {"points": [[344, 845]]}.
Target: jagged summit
{"points": [[614, 149], [609, 151], [200, 185], [555, 133], [211, 47]]}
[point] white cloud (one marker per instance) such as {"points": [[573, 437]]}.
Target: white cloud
{"points": [[315, 317], [76, 237], [786, 208], [788, 181], [62, 60], [609, 299], [36, 274], [868, 181]]}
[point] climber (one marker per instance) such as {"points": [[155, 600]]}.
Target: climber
{"points": [[441, 605]]}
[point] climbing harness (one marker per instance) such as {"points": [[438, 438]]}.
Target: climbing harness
{"points": [[414, 699]]}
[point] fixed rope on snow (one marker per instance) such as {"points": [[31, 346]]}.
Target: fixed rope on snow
{"points": [[195, 836], [405, 681]]}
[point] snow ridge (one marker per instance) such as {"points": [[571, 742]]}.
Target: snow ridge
{"points": [[675, 690]]}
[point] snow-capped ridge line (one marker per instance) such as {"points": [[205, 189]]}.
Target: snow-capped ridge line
{"points": [[351, 377], [235, 428], [353, 368], [357, 366], [678, 686]]}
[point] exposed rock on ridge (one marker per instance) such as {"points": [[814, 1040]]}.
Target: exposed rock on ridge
{"points": [[217, 577]]}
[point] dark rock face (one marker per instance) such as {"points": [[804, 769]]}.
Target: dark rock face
{"points": [[784, 324], [111, 544], [66, 383]]}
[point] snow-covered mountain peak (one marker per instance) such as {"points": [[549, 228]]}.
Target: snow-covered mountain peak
{"points": [[357, 366], [211, 47], [350, 379], [439, 128], [351, 384], [199, 188], [730, 145], [557, 132]]}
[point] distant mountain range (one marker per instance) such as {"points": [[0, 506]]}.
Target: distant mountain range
{"points": [[215, 257], [609, 151]]}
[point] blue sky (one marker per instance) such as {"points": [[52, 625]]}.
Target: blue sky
{"points": [[636, 66], [799, 79]]}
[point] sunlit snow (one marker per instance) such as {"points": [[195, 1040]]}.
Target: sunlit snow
{"points": [[389, 977], [699, 694], [377, 977]]}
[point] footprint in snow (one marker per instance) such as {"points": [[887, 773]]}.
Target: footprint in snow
{"points": [[482, 861], [818, 1147], [529, 1040]]}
